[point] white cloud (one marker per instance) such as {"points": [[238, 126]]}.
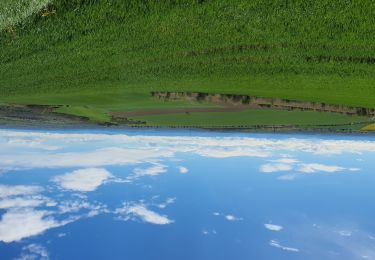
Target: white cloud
{"points": [[83, 180], [36, 143], [228, 217], [34, 251], [275, 167], [183, 170], [151, 171], [218, 152], [301, 168], [167, 202], [21, 223], [286, 161], [207, 232], [95, 158], [22, 202], [170, 200], [273, 227], [276, 244], [317, 146], [316, 167], [131, 211], [69, 206], [287, 177], [232, 218], [15, 190], [22, 219], [120, 149], [345, 233]]}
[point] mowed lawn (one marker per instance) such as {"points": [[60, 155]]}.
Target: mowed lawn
{"points": [[95, 57]]}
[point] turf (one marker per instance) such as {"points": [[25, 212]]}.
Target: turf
{"points": [[107, 55]]}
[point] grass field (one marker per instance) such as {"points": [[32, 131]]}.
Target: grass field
{"points": [[96, 57], [250, 117]]}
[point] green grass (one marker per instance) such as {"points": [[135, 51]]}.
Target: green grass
{"points": [[92, 113], [250, 118], [13, 12], [107, 55]]}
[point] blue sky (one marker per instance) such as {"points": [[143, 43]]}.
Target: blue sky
{"points": [[220, 195]]}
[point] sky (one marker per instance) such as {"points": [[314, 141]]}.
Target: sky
{"points": [[185, 195]]}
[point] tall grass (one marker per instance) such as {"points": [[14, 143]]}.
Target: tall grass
{"points": [[13, 12], [321, 50]]}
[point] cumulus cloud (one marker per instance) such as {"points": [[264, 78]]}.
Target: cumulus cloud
{"points": [[218, 152], [209, 232], [21, 223], [183, 169], [133, 211], [120, 149], [15, 190], [72, 206], [317, 146], [287, 177], [24, 219], [345, 233], [286, 161], [276, 244], [83, 180], [151, 171], [232, 218], [95, 158], [36, 143], [34, 251], [23, 202], [298, 167], [228, 217], [28, 213], [275, 167], [273, 227], [205, 232], [167, 202], [316, 167]]}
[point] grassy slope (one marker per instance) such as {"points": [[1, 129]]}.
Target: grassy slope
{"points": [[14, 11], [108, 55], [369, 128]]}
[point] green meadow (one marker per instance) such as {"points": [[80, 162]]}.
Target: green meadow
{"points": [[251, 117], [94, 57]]}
